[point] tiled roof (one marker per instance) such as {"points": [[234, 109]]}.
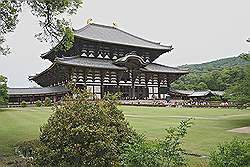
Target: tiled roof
{"points": [[154, 67], [205, 93], [200, 93], [186, 92], [108, 64], [103, 33], [89, 62], [35, 91], [194, 93]]}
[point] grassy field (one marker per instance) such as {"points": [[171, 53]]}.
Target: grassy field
{"points": [[210, 125]]}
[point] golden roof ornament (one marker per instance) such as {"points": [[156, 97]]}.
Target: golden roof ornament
{"points": [[89, 21], [115, 24]]}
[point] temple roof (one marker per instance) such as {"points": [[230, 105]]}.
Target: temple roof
{"points": [[93, 36], [89, 62], [108, 64], [56, 72], [35, 91], [109, 34]]}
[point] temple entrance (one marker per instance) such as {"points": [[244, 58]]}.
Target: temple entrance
{"points": [[141, 92]]}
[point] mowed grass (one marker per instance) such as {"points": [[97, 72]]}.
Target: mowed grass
{"points": [[209, 129], [20, 124], [210, 126]]}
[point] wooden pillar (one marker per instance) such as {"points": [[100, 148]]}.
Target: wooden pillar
{"points": [[159, 85], [133, 84], [168, 85], [55, 98], [102, 88], [133, 90], [102, 73], [118, 79], [19, 99], [146, 83]]}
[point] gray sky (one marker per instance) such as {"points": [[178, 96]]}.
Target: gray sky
{"points": [[199, 30]]}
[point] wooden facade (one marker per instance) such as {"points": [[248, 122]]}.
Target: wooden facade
{"points": [[106, 59]]}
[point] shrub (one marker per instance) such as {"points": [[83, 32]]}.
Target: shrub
{"points": [[39, 103], [23, 104], [82, 132], [167, 152], [26, 148], [47, 102], [141, 153], [231, 154], [171, 146], [3, 90]]}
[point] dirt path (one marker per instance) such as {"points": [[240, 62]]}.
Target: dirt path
{"points": [[2, 165], [185, 117], [241, 130]]}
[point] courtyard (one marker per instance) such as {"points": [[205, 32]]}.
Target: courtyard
{"points": [[210, 126]]}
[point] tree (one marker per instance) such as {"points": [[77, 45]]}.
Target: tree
{"points": [[167, 152], [240, 91], [55, 28], [83, 132], [235, 153], [47, 102], [3, 90]]}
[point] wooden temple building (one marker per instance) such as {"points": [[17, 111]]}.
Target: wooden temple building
{"points": [[107, 59]]}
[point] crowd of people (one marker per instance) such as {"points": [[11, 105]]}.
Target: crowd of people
{"points": [[176, 103]]}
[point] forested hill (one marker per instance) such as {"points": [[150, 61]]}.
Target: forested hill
{"points": [[217, 64], [220, 75]]}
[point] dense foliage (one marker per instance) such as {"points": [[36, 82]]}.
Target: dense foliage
{"points": [[83, 132], [23, 104], [231, 75], [240, 91], [167, 152], [217, 64], [213, 80], [232, 154], [3, 90], [47, 102], [50, 14], [38, 103]]}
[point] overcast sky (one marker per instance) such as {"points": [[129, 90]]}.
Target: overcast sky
{"points": [[199, 30]]}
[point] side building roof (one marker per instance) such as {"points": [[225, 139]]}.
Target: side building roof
{"points": [[198, 93], [36, 91]]}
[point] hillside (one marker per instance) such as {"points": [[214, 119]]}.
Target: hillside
{"points": [[215, 75], [217, 64]]}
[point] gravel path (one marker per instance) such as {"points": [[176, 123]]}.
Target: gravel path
{"points": [[185, 117], [241, 130]]}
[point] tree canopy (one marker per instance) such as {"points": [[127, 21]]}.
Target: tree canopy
{"points": [[54, 27], [83, 132], [213, 80], [3, 90], [231, 77], [240, 90]]}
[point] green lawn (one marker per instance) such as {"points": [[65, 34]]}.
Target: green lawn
{"points": [[209, 128]]}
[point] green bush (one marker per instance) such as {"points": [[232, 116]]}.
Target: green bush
{"points": [[23, 104], [82, 132], [39, 103], [141, 152], [3, 90], [47, 102], [26, 148], [167, 152], [231, 154]]}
